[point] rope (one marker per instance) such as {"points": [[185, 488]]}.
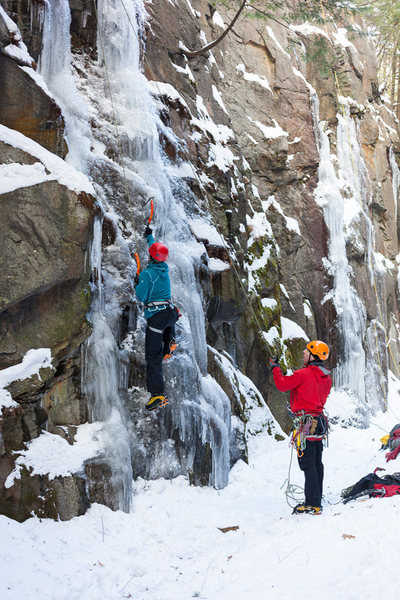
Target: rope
{"points": [[293, 492], [114, 116]]}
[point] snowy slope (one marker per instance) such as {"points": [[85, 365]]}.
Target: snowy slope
{"points": [[170, 547]]}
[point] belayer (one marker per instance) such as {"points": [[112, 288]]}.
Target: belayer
{"points": [[153, 288], [309, 389]]}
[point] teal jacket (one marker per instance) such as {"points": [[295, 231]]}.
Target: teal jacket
{"points": [[154, 284]]}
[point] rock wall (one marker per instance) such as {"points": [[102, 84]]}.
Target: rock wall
{"points": [[244, 117], [257, 82], [45, 228]]}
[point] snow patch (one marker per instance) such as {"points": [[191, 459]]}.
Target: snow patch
{"points": [[259, 227], [14, 176], [308, 29], [218, 20], [216, 264], [270, 303], [33, 361], [260, 79], [50, 454], [159, 88], [217, 96], [270, 132], [291, 330], [58, 169], [206, 231], [291, 223], [382, 264]]}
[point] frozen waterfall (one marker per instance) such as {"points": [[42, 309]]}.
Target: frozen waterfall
{"points": [[343, 192], [118, 96]]}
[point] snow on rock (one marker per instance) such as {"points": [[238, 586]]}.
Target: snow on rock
{"points": [[269, 303], [14, 176], [270, 133], [184, 71], [291, 330], [307, 309], [309, 86], [285, 293], [206, 231], [50, 454], [17, 48], [291, 224], [222, 157], [38, 79], [382, 264], [219, 154], [260, 79], [277, 44], [217, 96], [220, 133], [271, 336], [256, 265], [159, 88], [57, 168], [216, 264], [194, 13], [33, 361], [217, 20], [340, 39], [308, 29], [258, 226]]}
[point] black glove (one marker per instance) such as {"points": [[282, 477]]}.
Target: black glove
{"points": [[147, 231], [273, 362], [136, 280]]}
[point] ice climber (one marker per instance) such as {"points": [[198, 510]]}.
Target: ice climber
{"points": [[309, 388], [153, 288]]}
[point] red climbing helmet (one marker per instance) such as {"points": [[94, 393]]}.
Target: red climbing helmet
{"points": [[158, 251]]}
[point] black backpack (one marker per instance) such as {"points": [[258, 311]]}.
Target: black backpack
{"points": [[373, 486]]}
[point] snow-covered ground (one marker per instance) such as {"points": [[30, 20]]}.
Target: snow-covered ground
{"points": [[171, 548]]}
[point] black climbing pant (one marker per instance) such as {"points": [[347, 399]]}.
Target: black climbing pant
{"points": [[159, 331], [311, 464]]}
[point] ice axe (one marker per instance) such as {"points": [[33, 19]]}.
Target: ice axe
{"points": [[136, 255]]}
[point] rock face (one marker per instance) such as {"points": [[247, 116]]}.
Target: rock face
{"points": [[250, 119], [256, 83], [46, 227]]}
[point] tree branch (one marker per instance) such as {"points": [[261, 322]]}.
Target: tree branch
{"points": [[212, 45]]}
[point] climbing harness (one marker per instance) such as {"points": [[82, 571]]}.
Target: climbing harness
{"points": [[307, 426], [159, 303]]}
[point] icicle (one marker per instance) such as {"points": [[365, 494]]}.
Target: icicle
{"points": [[350, 372], [395, 180]]}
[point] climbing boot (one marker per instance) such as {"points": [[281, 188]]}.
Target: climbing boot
{"points": [[302, 509], [170, 348], [157, 401]]}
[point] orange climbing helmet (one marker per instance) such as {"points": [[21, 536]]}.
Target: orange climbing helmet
{"points": [[318, 348]]}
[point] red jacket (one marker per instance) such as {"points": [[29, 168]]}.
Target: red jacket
{"points": [[309, 388]]}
